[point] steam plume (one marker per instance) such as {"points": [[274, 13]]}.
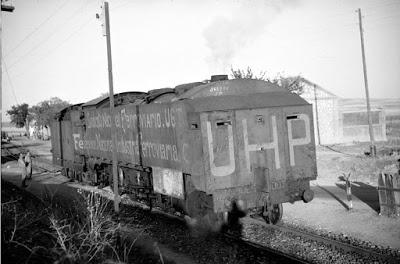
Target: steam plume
{"points": [[225, 36]]}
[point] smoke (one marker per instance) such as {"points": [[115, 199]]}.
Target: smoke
{"points": [[225, 36]]}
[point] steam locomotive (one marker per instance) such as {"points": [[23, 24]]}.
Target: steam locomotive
{"points": [[203, 149]]}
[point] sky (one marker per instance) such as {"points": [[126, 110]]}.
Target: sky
{"points": [[55, 48]]}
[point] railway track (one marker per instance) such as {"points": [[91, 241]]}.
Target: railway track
{"points": [[10, 151], [278, 256], [333, 243], [267, 249]]}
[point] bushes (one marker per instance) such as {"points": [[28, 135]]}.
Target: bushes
{"points": [[59, 231], [88, 239]]}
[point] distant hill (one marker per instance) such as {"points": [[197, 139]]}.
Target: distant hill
{"points": [[390, 106]]}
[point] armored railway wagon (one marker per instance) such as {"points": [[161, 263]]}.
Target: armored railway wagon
{"points": [[203, 148]]}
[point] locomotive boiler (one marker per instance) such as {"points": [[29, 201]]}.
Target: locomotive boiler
{"points": [[203, 149]]}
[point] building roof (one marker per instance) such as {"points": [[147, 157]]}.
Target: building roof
{"points": [[319, 88]]}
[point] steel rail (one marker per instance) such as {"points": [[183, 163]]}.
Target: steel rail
{"points": [[335, 244], [265, 248]]}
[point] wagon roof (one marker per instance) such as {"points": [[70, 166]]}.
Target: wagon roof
{"points": [[240, 94], [232, 87], [102, 99], [259, 100], [65, 110]]}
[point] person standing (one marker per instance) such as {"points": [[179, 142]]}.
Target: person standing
{"points": [[21, 165], [28, 164]]}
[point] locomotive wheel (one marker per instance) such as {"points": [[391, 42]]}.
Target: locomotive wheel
{"points": [[275, 215]]}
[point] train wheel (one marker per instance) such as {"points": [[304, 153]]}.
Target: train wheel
{"points": [[149, 202], [273, 216]]}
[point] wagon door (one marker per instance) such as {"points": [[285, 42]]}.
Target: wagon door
{"points": [[67, 143], [300, 145], [55, 142], [218, 130]]}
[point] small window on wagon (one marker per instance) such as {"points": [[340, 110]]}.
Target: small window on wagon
{"points": [[298, 127]]}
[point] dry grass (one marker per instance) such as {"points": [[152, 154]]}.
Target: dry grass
{"points": [[35, 232], [89, 239]]}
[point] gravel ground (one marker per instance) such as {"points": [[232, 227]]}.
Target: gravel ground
{"points": [[311, 251]]}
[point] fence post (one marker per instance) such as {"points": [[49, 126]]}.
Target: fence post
{"points": [[348, 192], [386, 191], [382, 194], [396, 188]]}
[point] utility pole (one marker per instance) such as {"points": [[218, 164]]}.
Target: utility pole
{"points": [[106, 32], [371, 131], [7, 8]]}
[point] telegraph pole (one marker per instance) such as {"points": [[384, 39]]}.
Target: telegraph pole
{"points": [[6, 8], [371, 131], [106, 32]]}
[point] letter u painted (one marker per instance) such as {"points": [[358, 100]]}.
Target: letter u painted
{"points": [[226, 169]]}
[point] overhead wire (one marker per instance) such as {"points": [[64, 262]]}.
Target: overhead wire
{"points": [[64, 41], [9, 80], [52, 33], [36, 29], [83, 25]]}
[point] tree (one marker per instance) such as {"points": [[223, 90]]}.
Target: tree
{"points": [[45, 111], [247, 74], [293, 84], [20, 117]]}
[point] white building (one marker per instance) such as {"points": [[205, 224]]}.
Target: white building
{"points": [[336, 122]]}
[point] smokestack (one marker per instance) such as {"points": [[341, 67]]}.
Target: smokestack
{"points": [[220, 77]]}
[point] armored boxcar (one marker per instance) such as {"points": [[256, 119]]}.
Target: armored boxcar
{"points": [[204, 149]]}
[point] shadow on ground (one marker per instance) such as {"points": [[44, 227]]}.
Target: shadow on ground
{"points": [[365, 192], [334, 196]]}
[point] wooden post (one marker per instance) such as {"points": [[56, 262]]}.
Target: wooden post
{"points": [[106, 29], [348, 192], [390, 194], [371, 131], [386, 194], [396, 188]]}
